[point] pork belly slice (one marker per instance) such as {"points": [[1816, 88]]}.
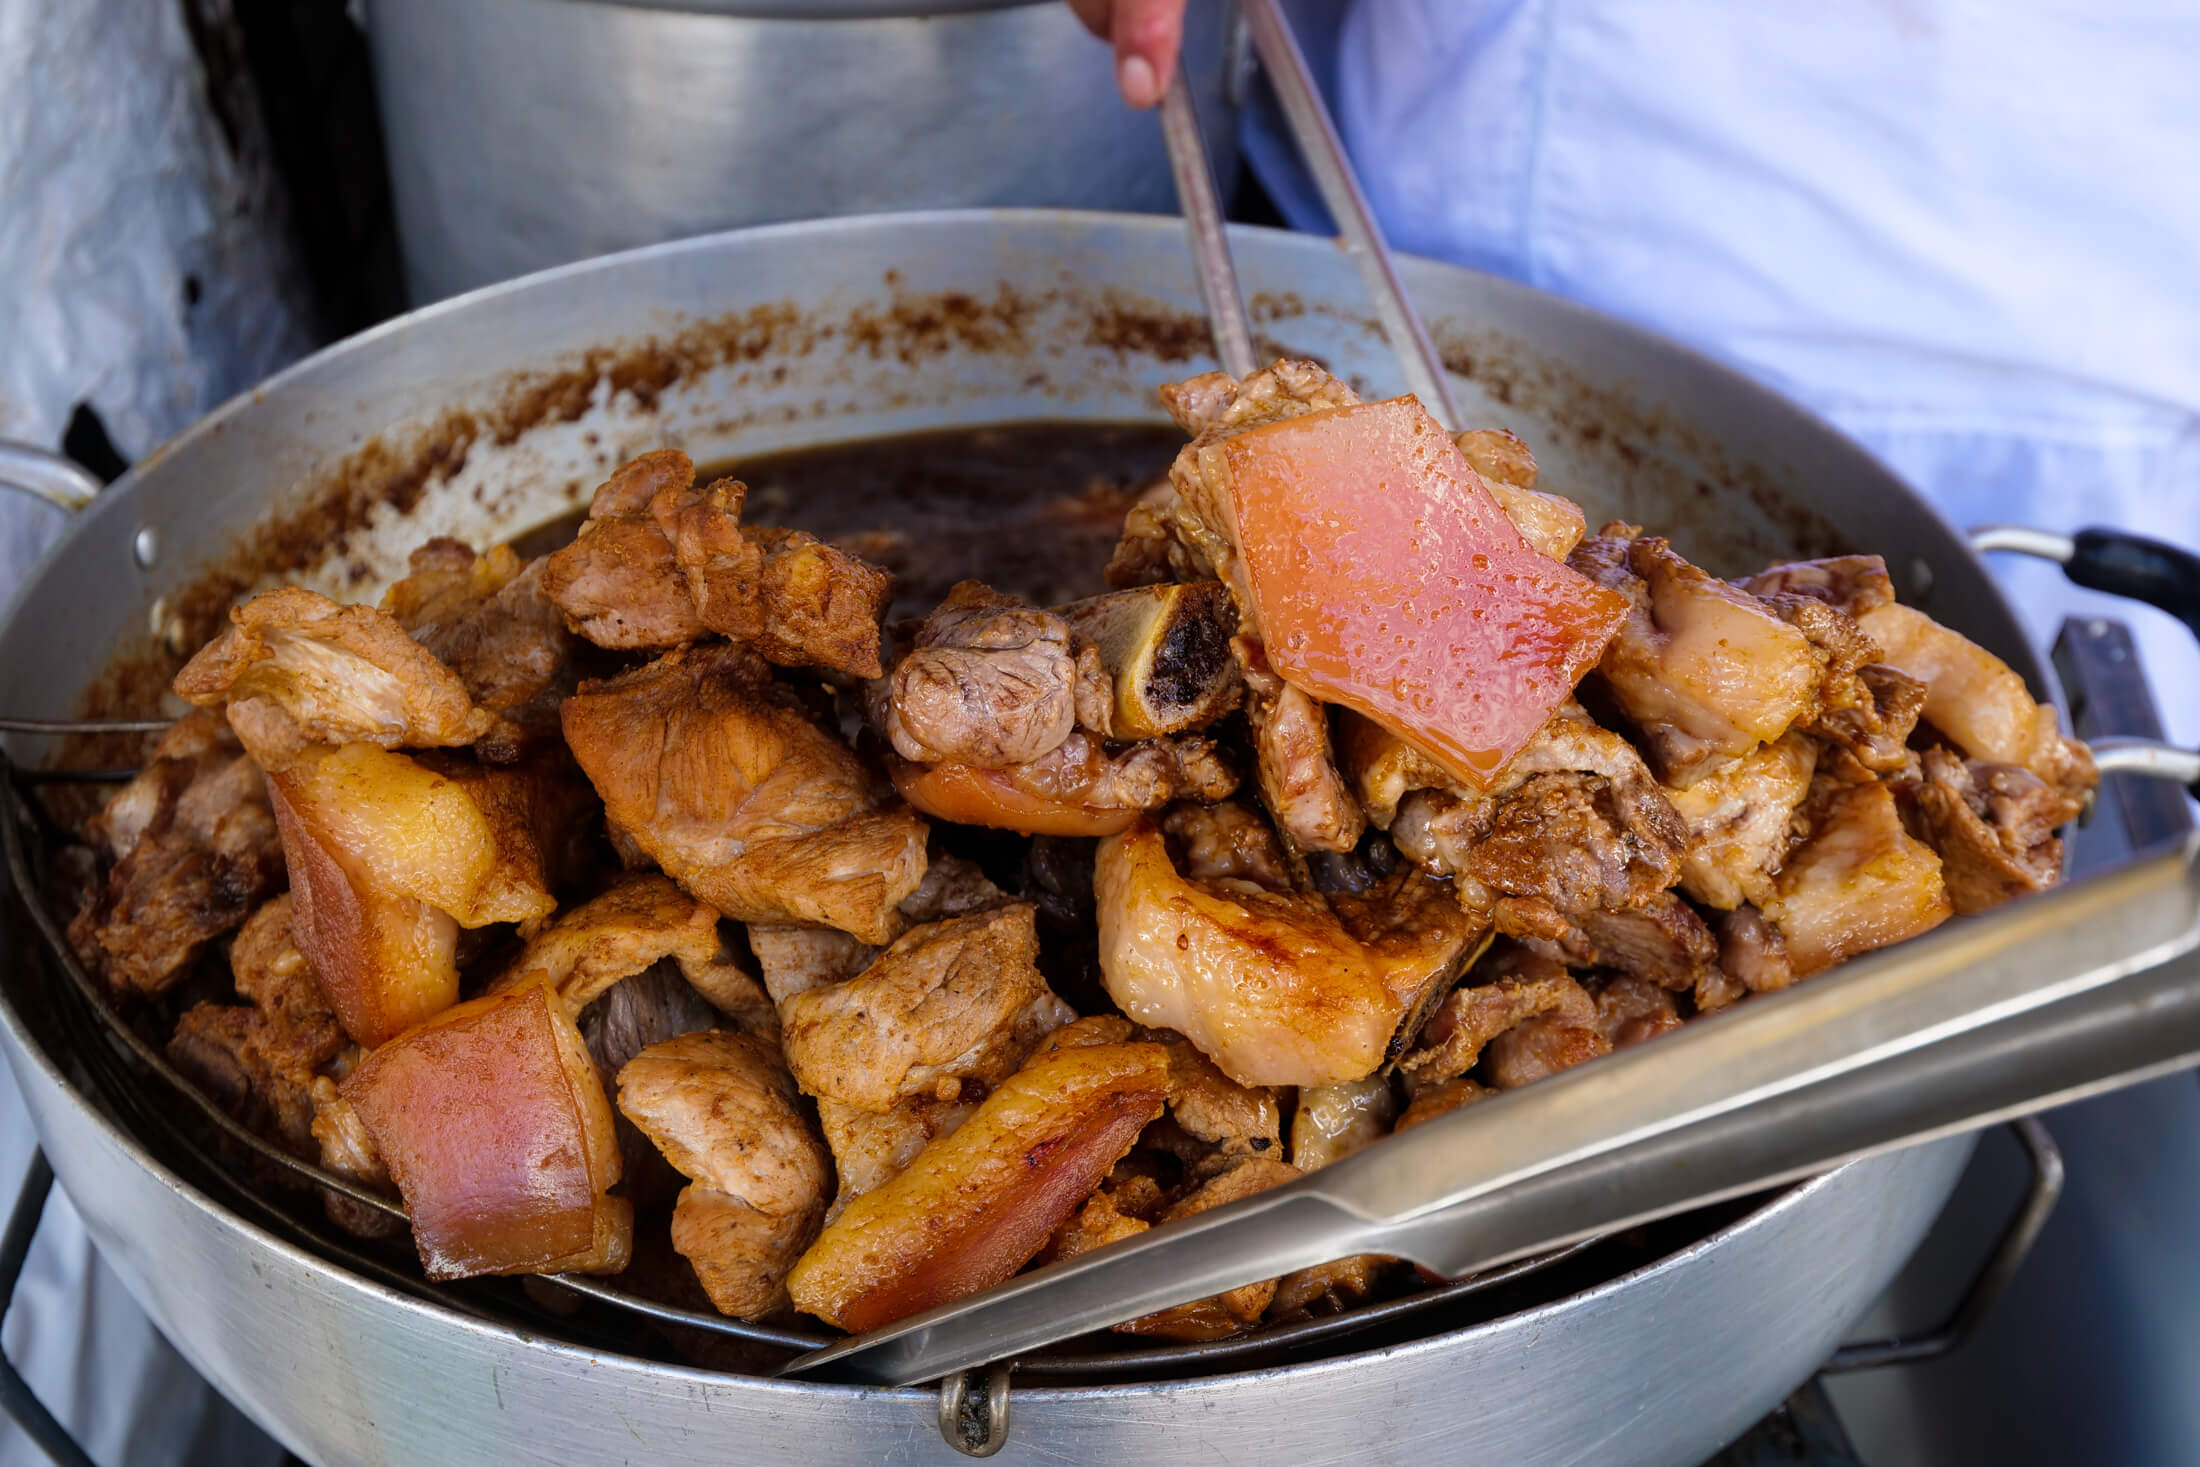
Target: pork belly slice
{"points": [[933, 1008], [1994, 826], [485, 617], [723, 1110], [496, 1129], [389, 857], [1979, 701], [195, 850], [738, 794], [1859, 882], [661, 564], [1707, 672], [321, 673], [974, 1207], [1277, 987]]}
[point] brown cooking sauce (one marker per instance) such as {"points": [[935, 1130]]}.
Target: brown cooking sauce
{"points": [[1029, 508]]}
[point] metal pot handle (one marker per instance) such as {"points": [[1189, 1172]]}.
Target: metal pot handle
{"points": [[44, 474], [16, 1397], [2164, 576]]}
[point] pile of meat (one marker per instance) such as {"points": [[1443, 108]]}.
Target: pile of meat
{"points": [[657, 879]]}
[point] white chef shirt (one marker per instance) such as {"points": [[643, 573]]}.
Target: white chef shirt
{"points": [[1968, 233]]}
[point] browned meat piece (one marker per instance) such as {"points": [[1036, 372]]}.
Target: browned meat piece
{"points": [[1148, 551], [1576, 824], [975, 1206], [1557, 1039], [1859, 882], [795, 959], [1441, 1099], [1080, 788], [946, 1000], [1863, 705], [1994, 826], [988, 681], [195, 848], [1333, 1121], [1166, 654], [1382, 769], [723, 1110], [1753, 958], [297, 1029], [221, 1048], [870, 1148], [661, 564], [724, 778], [486, 619], [1738, 822], [1277, 988], [1210, 842], [1298, 775], [1979, 701], [313, 671], [1850, 584], [1549, 522], [1225, 1314], [1630, 1010], [390, 855], [348, 1151], [1707, 672], [638, 1011], [1663, 942], [952, 887], [1516, 987], [1238, 1120], [642, 919]]}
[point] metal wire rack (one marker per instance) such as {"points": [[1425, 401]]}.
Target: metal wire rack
{"points": [[133, 1075]]}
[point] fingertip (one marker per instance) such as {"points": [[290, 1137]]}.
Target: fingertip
{"points": [[1137, 80]]}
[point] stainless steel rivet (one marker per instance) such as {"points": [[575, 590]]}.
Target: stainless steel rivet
{"points": [[145, 547]]}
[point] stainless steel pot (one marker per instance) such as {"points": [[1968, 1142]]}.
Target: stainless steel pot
{"points": [[526, 133], [482, 416]]}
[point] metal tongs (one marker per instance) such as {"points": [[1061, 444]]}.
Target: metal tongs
{"points": [[2075, 991]]}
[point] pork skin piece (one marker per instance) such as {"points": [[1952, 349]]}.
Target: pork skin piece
{"points": [[195, 851], [388, 858], [723, 1110], [725, 780], [321, 673], [1993, 825], [1738, 822], [1979, 701], [1706, 671], [1277, 988], [1166, 651], [660, 564], [485, 617], [495, 1127], [1859, 882], [975, 1206], [925, 1012]]}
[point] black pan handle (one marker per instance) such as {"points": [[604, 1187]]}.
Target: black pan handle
{"points": [[2113, 561]]}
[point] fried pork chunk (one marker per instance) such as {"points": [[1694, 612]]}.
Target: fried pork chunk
{"points": [[937, 1006], [723, 1110], [1576, 825], [485, 618], [977, 1205], [295, 669], [260, 1058], [1994, 826], [1082, 787], [1979, 701], [1705, 671], [661, 564], [1277, 987], [1502, 994], [735, 791], [1858, 882], [390, 856], [194, 849], [1739, 822], [1551, 523], [989, 681]]}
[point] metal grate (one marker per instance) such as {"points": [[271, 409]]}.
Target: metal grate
{"points": [[132, 1076]]}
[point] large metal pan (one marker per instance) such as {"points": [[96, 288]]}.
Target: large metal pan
{"points": [[488, 414]]}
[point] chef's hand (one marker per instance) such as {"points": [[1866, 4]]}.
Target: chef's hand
{"points": [[1145, 34]]}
